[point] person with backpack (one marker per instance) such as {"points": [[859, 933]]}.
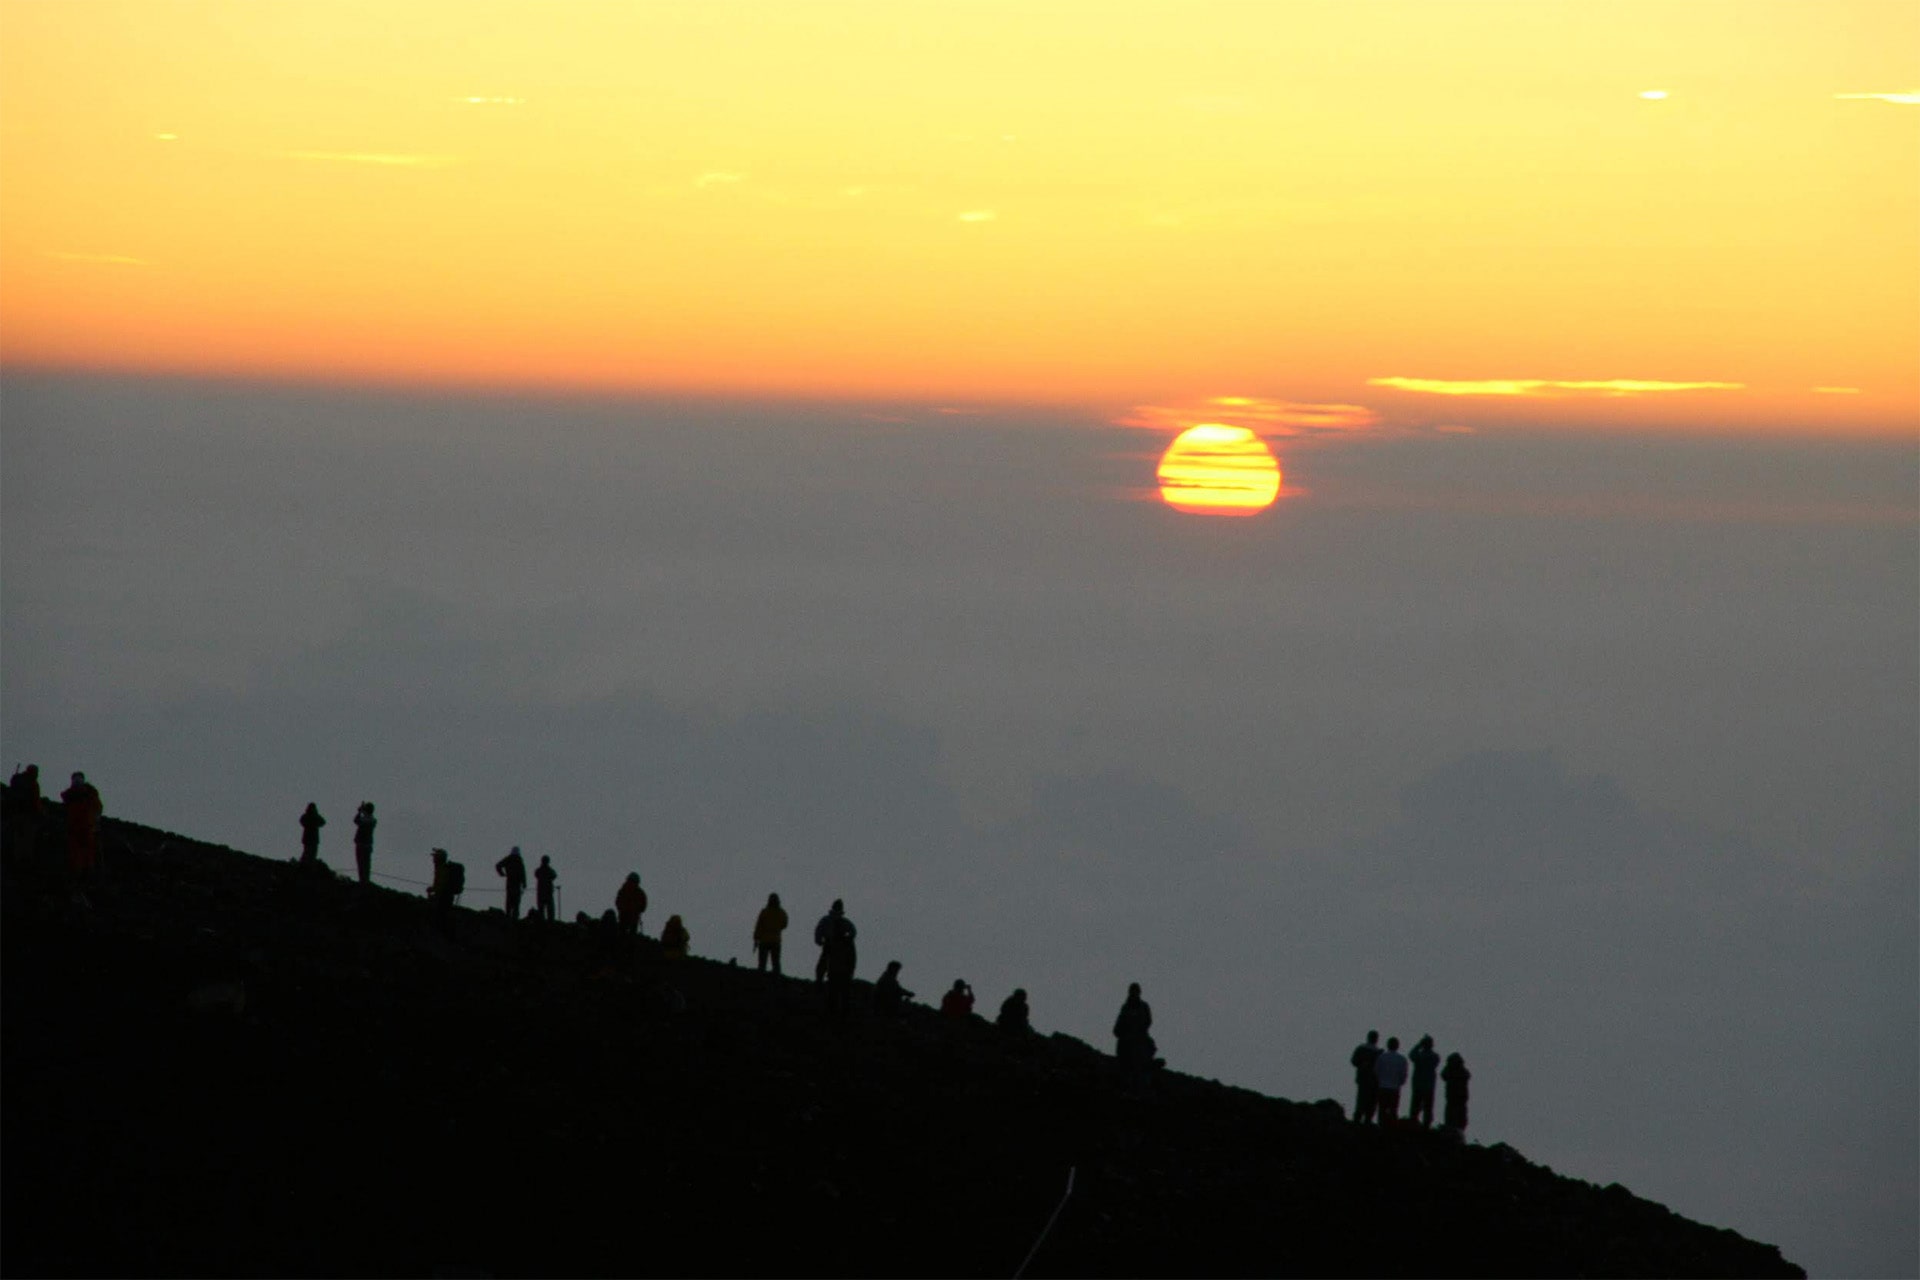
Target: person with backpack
{"points": [[1367, 1101], [630, 902], [449, 882], [767, 928], [543, 877], [310, 824], [363, 825], [835, 935], [1014, 1014], [514, 868]]}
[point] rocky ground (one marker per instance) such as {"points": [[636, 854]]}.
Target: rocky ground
{"points": [[220, 1064]]}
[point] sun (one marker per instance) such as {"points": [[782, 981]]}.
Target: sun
{"points": [[1217, 470]]}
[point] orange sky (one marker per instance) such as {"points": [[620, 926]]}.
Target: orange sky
{"points": [[1445, 213]]}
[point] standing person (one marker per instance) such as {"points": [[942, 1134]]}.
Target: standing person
{"points": [[835, 934], [1455, 1076], [310, 824], [1014, 1014], [1425, 1064], [1368, 1098], [958, 1002], [514, 868], [1132, 1043], [674, 939], [543, 877], [83, 825], [767, 928], [630, 902], [25, 806], [449, 878], [1390, 1070], [363, 825]]}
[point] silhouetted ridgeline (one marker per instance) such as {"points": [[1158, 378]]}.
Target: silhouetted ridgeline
{"points": [[223, 1065]]}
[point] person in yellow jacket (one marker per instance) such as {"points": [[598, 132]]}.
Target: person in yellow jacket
{"points": [[766, 933], [674, 939]]}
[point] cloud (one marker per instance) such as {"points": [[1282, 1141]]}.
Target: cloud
{"points": [[389, 159], [1911, 98], [1546, 387], [481, 100], [98, 259], [1266, 417], [979, 215], [719, 178], [1654, 95]]}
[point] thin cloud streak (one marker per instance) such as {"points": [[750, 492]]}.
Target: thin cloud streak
{"points": [[1256, 413], [1909, 99], [1546, 387], [387, 159]]}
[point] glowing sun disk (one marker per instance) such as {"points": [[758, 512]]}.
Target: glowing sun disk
{"points": [[1216, 470]]}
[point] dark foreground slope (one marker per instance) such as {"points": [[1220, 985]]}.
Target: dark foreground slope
{"points": [[391, 1101]]}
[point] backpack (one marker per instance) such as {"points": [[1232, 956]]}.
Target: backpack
{"points": [[456, 879]]}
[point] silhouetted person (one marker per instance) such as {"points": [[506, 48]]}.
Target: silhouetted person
{"points": [[629, 903], [310, 824], [449, 881], [835, 934], [1132, 1044], [1390, 1070], [958, 1002], [889, 997], [514, 868], [674, 939], [1455, 1076], [543, 877], [363, 824], [83, 825], [1014, 1014], [1367, 1101], [25, 809], [1425, 1064], [767, 928]]}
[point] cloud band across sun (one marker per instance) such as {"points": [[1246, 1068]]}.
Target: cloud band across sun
{"points": [[1546, 388], [1258, 414]]}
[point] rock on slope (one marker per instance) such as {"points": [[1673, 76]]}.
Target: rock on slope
{"points": [[220, 1065]]}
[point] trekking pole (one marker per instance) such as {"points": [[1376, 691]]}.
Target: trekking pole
{"points": [[1049, 1227]]}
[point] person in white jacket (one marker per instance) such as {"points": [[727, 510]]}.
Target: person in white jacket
{"points": [[1390, 1072]]}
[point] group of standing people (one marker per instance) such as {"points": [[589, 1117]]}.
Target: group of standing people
{"points": [[1379, 1075], [26, 810]]}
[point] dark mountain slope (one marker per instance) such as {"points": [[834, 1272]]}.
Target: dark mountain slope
{"points": [[393, 1101]]}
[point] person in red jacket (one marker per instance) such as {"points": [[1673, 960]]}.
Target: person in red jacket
{"points": [[83, 825], [957, 1003], [630, 902]]}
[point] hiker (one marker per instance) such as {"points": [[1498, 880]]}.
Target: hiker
{"points": [[24, 809], [958, 1002], [674, 939], [889, 997], [1368, 1099], [767, 928], [1014, 1014], [83, 825], [363, 825], [310, 824], [630, 902], [543, 877], [1133, 1046], [1425, 1064], [835, 934], [1390, 1071], [1455, 1076], [449, 882], [514, 868]]}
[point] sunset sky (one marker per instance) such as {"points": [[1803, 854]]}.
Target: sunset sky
{"points": [[1631, 213]]}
